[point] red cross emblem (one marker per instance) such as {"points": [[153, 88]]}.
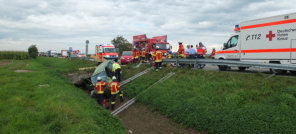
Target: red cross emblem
{"points": [[270, 35]]}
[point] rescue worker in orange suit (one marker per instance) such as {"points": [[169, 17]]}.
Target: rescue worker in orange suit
{"points": [[181, 50], [158, 58], [100, 90], [136, 55], [116, 70], [100, 58], [143, 54], [115, 89], [213, 53], [199, 52]]}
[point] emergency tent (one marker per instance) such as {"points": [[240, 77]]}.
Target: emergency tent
{"points": [[104, 70]]}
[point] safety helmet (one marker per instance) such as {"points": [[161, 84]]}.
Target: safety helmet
{"points": [[99, 78], [113, 78], [157, 47], [143, 48], [180, 43]]}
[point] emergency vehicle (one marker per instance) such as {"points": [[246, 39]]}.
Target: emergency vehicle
{"points": [[141, 41], [267, 40], [105, 52]]}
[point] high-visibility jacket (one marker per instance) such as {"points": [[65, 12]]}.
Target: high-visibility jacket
{"points": [[154, 54], [213, 53], [204, 51], [100, 56], [143, 53], [100, 87], [158, 56], [115, 66], [199, 50], [115, 87], [181, 51], [136, 54]]}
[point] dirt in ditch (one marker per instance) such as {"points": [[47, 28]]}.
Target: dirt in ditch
{"points": [[2, 63], [138, 119]]}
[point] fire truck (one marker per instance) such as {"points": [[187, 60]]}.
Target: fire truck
{"points": [[267, 40], [141, 41], [105, 52]]}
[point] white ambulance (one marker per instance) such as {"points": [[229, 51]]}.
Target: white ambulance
{"points": [[267, 40]]}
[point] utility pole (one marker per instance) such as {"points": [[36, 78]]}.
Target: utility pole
{"points": [[86, 47]]}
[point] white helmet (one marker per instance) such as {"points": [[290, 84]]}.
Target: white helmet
{"points": [[99, 78], [113, 78], [157, 47]]}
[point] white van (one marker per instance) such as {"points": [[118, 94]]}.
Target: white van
{"points": [[267, 40]]}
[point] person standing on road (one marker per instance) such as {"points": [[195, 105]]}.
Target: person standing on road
{"points": [[136, 55], [115, 89], [100, 90], [116, 70], [158, 58], [213, 54], [192, 52], [143, 54], [181, 50]]}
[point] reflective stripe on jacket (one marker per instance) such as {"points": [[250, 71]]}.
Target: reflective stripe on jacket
{"points": [[143, 53], [115, 87], [100, 87]]}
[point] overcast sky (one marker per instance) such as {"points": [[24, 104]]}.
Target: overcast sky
{"points": [[59, 24]]}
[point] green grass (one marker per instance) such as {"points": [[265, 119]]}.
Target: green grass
{"points": [[14, 55], [130, 70], [44, 101], [222, 102]]}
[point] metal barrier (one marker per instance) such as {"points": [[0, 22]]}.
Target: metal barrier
{"points": [[231, 63]]}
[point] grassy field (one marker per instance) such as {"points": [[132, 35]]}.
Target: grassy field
{"points": [[44, 101], [14, 55], [222, 102]]}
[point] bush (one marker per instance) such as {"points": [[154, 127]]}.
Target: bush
{"points": [[33, 51]]}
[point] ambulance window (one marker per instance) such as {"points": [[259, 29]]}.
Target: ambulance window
{"points": [[232, 42]]}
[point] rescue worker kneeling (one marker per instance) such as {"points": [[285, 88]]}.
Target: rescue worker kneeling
{"points": [[115, 89], [158, 58], [100, 90], [116, 70]]}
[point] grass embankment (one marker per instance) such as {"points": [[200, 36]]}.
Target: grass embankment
{"points": [[223, 102], [14, 55], [44, 101], [130, 70]]}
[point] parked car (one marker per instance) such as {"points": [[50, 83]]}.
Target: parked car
{"points": [[81, 55], [126, 57]]}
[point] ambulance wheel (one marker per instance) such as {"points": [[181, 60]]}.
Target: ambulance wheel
{"points": [[242, 69], [293, 72], [278, 71], [223, 67]]}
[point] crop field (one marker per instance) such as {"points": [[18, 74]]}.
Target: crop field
{"points": [[221, 102], [14, 55], [42, 100]]}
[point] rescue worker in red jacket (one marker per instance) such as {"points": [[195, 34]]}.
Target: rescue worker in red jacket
{"points": [[100, 90], [143, 54], [199, 52], [181, 50], [158, 58], [136, 55], [115, 89], [213, 54]]}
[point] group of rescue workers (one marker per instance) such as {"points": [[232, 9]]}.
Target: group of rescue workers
{"points": [[114, 87], [141, 56]]}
